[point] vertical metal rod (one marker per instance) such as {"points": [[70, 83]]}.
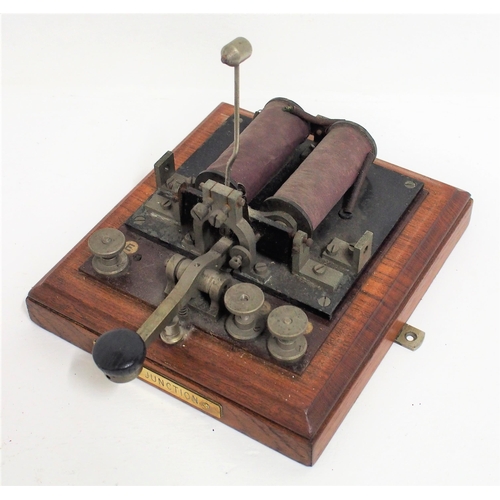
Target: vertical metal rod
{"points": [[236, 143]]}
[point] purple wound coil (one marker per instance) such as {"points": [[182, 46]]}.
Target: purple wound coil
{"points": [[265, 146], [324, 176]]}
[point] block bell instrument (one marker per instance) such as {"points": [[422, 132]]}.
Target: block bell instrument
{"points": [[262, 271]]}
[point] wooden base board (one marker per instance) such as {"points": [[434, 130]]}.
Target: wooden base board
{"points": [[294, 414]]}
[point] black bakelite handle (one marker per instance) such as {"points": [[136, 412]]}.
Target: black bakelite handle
{"points": [[120, 354]]}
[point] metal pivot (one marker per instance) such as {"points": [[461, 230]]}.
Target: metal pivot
{"points": [[211, 282], [184, 290], [222, 206], [233, 54]]}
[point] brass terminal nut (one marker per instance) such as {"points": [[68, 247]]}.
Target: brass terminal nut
{"points": [[287, 325], [107, 247], [244, 301]]}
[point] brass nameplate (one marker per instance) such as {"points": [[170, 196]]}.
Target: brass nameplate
{"points": [[182, 393]]}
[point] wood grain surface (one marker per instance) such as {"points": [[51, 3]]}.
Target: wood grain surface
{"points": [[295, 415]]}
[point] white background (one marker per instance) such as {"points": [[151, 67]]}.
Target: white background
{"points": [[89, 103]]}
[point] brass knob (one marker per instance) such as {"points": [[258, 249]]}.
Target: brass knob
{"points": [[107, 247], [287, 325], [244, 301]]}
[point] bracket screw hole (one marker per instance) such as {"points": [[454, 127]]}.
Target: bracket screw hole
{"points": [[411, 337]]}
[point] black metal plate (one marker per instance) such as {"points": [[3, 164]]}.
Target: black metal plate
{"points": [[386, 198]]}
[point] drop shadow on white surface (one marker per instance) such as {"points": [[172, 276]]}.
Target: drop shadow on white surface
{"points": [[89, 379]]}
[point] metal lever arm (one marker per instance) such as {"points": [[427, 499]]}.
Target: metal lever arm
{"points": [[184, 290], [120, 353], [233, 54]]}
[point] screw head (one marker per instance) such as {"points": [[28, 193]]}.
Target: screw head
{"points": [[319, 269], [260, 268], [332, 248], [324, 301]]}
